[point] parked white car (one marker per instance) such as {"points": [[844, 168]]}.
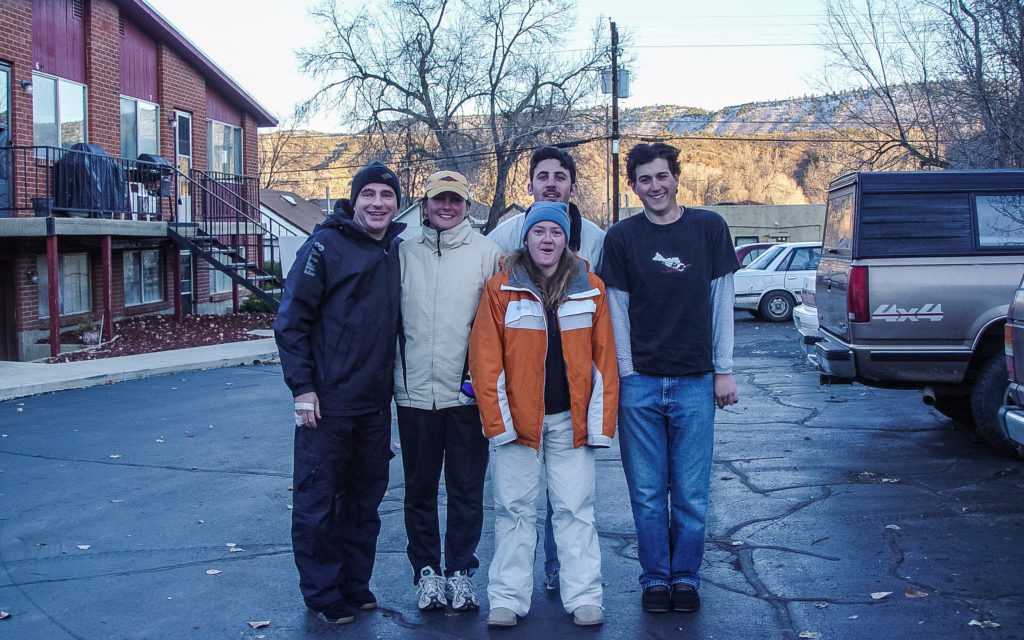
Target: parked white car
{"points": [[770, 285], [805, 319]]}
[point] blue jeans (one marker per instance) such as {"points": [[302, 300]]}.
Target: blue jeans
{"points": [[666, 435]]}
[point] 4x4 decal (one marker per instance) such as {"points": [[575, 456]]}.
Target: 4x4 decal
{"points": [[892, 313]]}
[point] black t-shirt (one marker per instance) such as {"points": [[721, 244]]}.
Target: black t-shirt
{"points": [[667, 271]]}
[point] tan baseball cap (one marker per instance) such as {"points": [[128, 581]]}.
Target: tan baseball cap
{"points": [[447, 181]]}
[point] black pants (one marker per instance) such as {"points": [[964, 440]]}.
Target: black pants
{"points": [[341, 474], [453, 438]]}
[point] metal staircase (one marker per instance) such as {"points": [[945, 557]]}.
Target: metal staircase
{"points": [[229, 234]]}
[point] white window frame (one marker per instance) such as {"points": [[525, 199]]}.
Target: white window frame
{"points": [[36, 100], [155, 148], [220, 282], [148, 293], [227, 164], [43, 284]]}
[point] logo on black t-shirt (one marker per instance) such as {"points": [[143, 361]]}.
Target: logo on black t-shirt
{"points": [[672, 263]]}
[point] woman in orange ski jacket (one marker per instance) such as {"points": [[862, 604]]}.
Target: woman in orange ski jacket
{"points": [[542, 360]]}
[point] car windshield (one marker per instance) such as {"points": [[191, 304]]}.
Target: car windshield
{"points": [[766, 258]]}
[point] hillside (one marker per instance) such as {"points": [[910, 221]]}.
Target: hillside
{"points": [[795, 154]]}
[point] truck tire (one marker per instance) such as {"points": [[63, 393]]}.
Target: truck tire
{"points": [[776, 306], [987, 396]]}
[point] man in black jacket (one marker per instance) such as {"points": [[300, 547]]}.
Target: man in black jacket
{"points": [[336, 332]]}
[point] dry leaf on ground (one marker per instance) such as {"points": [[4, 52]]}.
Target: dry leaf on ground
{"points": [[914, 593], [878, 595], [984, 624], [259, 624], [213, 572]]}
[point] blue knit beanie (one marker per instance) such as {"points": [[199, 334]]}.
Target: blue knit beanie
{"points": [[557, 212]]}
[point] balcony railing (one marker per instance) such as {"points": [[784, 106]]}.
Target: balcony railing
{"points": [[215, 214], [54, 181]]}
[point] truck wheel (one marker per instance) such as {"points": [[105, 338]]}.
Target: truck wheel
{"points": [[776, 306], [988, 395]]}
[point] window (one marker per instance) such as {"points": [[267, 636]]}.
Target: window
{"points": [[220, 282], [224, 144], [804, 259], [762, 261], [58, 111], [142, 281], [139, 128], [838, 238], [75, 293], [1000, 220], [739, 241]]}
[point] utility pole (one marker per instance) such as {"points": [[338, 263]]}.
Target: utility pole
{"points": [[615, 124]]}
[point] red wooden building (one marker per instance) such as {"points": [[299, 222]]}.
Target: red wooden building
{"points": [[126, 174]]}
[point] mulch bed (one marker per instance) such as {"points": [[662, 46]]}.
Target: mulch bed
{"points": [[146, 334]]}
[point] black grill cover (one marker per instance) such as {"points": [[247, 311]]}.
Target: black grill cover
{"points": [[85, 177]]}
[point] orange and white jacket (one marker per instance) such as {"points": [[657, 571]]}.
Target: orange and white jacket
{"points": [[507, 348]]}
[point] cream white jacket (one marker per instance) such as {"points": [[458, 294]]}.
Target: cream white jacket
{"points": [[443, 277]]}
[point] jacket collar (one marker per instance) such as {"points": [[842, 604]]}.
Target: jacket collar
{"points": [[448, 239], [580, 284]]}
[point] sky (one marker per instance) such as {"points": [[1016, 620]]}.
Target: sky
{"points": [[688, 52]]}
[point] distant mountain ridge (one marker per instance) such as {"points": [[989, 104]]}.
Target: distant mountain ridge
{"points": [[794, 115]]}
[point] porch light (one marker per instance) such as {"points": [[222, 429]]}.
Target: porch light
{"points": [[27, 86], [32, 276]]}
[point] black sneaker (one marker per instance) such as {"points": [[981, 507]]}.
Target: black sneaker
{"points": [[335, 613], [363, 599], [685, 598], [656, 599]]}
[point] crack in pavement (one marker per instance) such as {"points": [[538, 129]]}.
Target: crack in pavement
{"points": [[242, 472], [133, 572]]}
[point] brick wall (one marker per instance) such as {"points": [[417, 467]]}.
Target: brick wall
{"points": [[103, 75], [250, 147], [181, 88], [16, 50]]}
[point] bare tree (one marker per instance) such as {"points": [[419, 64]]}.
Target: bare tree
{"points": [[987, 58], [889, 48], [940, 79], [480, 81], [278, 153]]}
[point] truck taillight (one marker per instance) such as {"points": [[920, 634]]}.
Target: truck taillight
{"points": [[1008, 350], [857, 295]]}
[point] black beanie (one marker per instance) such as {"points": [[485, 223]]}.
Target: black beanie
{"points": [[374, 172]]}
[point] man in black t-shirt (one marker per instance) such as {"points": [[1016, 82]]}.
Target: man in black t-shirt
{"points": [[668, 272]]}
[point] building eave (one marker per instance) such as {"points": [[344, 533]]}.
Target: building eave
{"points": [[150, 20]]}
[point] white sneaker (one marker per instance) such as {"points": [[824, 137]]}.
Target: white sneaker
{"points": [[459, 591], [501, 617], [431, 590], [587, 615]]}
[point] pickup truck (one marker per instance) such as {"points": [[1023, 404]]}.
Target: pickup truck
{"points": [[916, 273]]}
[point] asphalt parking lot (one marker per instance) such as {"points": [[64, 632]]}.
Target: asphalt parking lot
{"points": [[158, 508]]}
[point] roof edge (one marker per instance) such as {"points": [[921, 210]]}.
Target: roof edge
{"points": [[150, 18]]}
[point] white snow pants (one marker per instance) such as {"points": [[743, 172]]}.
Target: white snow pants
{"points": [[515, 477]]}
